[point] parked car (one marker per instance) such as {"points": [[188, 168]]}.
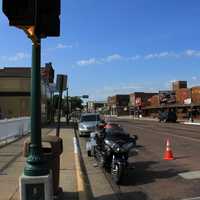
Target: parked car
{"points": [[88, 123], [167, 116]]}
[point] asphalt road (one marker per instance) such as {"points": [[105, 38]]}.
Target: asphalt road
{"points": [[149, 177]]}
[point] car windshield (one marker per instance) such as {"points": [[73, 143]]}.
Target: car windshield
{"points": [[90, 118]]}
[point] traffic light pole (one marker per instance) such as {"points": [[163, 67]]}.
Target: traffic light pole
{"points": [[35, 165]]}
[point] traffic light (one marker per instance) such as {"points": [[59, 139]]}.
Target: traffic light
{"points": [[39, 18], [19, 12], [48, 18]]}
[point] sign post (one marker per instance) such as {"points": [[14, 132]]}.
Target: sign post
{"points": [[61, 84]]}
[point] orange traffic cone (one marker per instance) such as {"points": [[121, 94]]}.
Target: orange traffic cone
{"points": [[168, 152]]}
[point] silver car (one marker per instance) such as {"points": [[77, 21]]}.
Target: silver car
{"points": [[88, 123]]}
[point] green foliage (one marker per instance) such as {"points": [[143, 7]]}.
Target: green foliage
{"points": [[74, 103]]}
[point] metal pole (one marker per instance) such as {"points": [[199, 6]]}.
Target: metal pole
{"points": [[59, 107], [87, 106], [67, 107], [35, 165], [191, 117]]}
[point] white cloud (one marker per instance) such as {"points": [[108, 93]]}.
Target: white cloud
{"points": [[127, 88], [113, 57], [63, 46], [60, 46], [90, 61], [134, 57], [117, 57], [158, 55], [192, 53], [194, 78], [18, 56]]}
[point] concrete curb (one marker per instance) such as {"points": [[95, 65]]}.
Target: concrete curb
{"points": [[83, 184]]}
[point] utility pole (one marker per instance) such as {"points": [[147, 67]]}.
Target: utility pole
{"points": [[61, 83]]}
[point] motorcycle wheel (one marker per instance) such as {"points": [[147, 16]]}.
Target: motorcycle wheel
{"points": [[116, 173]]}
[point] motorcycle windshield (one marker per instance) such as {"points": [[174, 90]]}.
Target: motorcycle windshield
{"points": [[116, 134]]}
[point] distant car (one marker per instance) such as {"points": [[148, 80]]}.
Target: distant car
{"points": [[75, 116], [169, 116], [88, 123]]}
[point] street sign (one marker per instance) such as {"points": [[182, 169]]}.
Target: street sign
{"points": [[61, 82]]}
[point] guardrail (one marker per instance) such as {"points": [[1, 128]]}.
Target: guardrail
{"points": [[14, 128]]}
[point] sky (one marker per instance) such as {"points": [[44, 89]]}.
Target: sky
{"points": [[113, 47]]}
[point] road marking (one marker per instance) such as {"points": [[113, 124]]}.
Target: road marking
{"points": [[191, 123], [75, 146], [190, 175], [80, 185], [178, 136], [194, 198]]}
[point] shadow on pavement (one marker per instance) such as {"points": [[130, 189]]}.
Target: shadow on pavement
{"points": [[129, 195], [69, 196], [63, 125], [139, 173]]}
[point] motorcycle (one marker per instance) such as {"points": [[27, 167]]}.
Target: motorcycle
{"points": [[111, 150]]}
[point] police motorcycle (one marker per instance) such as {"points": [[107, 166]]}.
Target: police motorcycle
{"points": [[111, 147]]}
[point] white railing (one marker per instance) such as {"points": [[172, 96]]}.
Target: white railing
{"points": [[14, 128]]}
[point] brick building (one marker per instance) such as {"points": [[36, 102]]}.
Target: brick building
{"points": [[118, 104]]}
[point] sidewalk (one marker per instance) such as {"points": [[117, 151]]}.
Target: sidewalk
{"points": [[12, 164]]}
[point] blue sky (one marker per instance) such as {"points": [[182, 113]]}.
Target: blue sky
{"points": [[116, 46]]}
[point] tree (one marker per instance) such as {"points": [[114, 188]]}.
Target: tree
{"points": [[73, 102]]}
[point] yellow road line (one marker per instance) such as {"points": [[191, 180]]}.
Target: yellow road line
{"points": [[79, 174]]}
